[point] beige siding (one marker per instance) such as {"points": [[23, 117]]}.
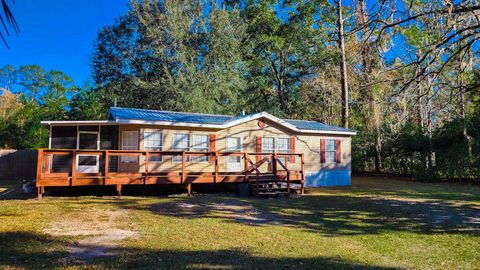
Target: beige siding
{"points": [[307, 144]]}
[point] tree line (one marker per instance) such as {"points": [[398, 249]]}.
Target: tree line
{"points": [[404, 74]]}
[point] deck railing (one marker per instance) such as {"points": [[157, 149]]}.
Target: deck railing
{"points": [[64, 167]]}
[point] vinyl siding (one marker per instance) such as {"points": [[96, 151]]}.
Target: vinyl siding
{"points": [[307, 144]]}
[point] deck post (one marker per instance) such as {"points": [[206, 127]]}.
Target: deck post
{"points": [[119, 190], [257, 185], [288, 177], [245, 166], [215, 179], [74, 167], [147, 156], [39, 172], [274, 166], [105, 173], [184, 170], [302, 185], [189, 189], [39, 193]]}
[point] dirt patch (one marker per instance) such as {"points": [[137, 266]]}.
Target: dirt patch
{"points": [[238, 211], [99, 228]]}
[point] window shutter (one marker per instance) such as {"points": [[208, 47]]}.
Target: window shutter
{"points": [[292, 148], [322, 150], [258, 145], [339, 151], [212, 147]]}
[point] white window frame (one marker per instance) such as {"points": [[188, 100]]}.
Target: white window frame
{"points": [[199, 149], [270, 150], [88, 132], [129, 159], [327, 151], [178, 158], [145, 140], [230, 160], [88, 168], [275, 145]]}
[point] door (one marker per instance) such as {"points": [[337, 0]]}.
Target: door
{"points": [[234, 164], [88, 163], [129, 142]]}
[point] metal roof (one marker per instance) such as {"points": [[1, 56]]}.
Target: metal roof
{"points": [[119, 113], [166, 116], [312, 125]]}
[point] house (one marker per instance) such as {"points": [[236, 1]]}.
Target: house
{"points": [[139, 146]]}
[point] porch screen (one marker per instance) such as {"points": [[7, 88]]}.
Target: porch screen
{"points": [[64, 137], [109, 137]]}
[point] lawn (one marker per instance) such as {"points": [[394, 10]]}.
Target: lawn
{"points": [[375, 224]]}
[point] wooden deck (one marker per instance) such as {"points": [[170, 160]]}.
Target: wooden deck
{"points": [[270, 172]]}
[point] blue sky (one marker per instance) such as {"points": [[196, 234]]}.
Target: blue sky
{"points": [[59, 34]]}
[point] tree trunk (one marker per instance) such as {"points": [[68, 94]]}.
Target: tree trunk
{"points": [[378, 153], [343, 67], [464, 115], [372, 112]]}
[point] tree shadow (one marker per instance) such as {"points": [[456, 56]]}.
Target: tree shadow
{"points": [[326, 214], [31, 251]]}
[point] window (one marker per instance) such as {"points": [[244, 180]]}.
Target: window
{"points": [[200, 144], [330, 151], [234, 163], [276, 145], [282, 145], [130, 142], [180, 143], [153, 141], [268, 145]]}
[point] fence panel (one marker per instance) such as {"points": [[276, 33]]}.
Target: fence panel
{"points": [[18, 164]]}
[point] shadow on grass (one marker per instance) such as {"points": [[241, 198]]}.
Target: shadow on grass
{"points": [[390, 186], [31, 251], [326, 214]]}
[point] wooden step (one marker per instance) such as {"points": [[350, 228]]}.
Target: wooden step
{"points": [[263, 180]]}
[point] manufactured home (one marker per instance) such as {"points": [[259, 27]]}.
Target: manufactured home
{"points": [[146, 147]]}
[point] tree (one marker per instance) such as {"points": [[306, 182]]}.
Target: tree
{"points": [[8, 21], [175, 56], [40, 95], [281, 51], [86, 104], [343, 65]]}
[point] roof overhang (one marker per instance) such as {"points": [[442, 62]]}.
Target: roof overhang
{"points": [[227, 124], [78, 123]]}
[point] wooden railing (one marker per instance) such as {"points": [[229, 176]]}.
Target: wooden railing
{"points": [[276, 159], [115, 167]]}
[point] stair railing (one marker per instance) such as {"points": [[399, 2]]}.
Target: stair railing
{"points": [[288, 173], [254, 167]]}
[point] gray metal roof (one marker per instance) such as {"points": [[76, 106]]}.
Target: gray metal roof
{"points": [[313, 125], [119, 113]]}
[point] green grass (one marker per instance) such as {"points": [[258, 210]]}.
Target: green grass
{"points": [[375, 224]]}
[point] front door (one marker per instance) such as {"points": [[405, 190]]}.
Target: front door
{"points": [[234, 163], [129, 142], [88, 163]]}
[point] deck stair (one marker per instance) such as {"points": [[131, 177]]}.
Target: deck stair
{"points": [[269, 184]]}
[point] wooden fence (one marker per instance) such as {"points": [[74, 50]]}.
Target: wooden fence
{"points": [[18, 164]]}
